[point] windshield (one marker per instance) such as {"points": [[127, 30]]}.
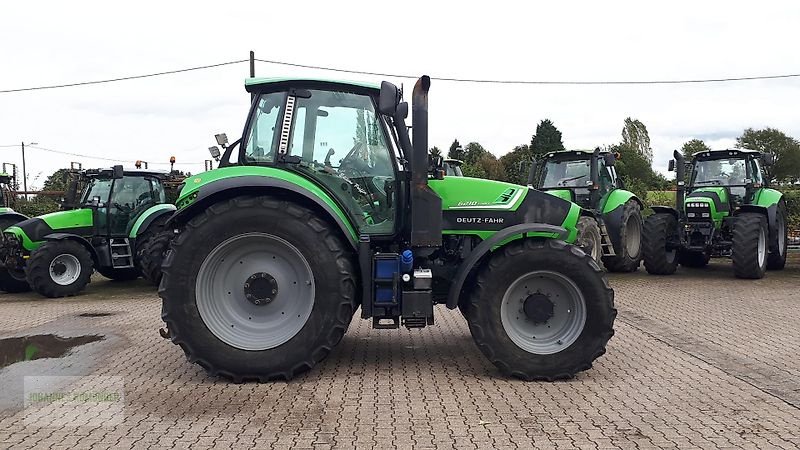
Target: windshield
{"points": [[97, 188], [453, 169], [719, 172], [574, 173]]}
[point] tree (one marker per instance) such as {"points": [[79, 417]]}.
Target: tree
{"points": [[693, 146], [57, 181], [547, 139], [456, 152], [473, 152], [635, 136], [785, 148], [512, 163]]}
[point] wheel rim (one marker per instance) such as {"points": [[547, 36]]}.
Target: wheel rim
{"points": [[255, 291], [633, 236], [781, 235], [65, 269], [589, 244], [543, 312], [762, 247]]}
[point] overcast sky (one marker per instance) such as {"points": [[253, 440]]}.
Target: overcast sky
{"points": [[44, 43]]}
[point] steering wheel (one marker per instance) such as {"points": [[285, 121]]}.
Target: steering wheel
{"points": [[351, 162], [124, 208]]}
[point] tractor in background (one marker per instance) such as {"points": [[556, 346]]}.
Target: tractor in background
{"points": [[610, 227], [725, 209]]}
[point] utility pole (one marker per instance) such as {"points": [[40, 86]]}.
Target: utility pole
{"points": [[24, 172]]}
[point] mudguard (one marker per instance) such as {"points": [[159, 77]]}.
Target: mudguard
{"points": [[73, 237], [486, 246], [144, 220], [13, 215], [254, 185]]}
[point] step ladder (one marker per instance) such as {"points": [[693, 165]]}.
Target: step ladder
{"points": [[605, 240], [121, 254]]}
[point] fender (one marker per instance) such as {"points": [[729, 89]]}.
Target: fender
{"points": [[486, 246], [254, 184], [73, 237], [13, 215], [666, 210], [770, 212], [152, 213]]}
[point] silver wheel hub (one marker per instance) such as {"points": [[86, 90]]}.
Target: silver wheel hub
{"points": [[762, 248], [633, 236], [65, 269], [255, 291], [543, 312]]}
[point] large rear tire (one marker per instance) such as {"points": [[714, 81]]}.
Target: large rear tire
{"points": [[776, 260], [749, 251], [659, 230], [12, 281], [629, 257], [257, 288], [541, 310], [589, 239], [59, 268]]}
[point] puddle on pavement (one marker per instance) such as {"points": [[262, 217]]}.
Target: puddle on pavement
{"points": [[28, 348], [95, 314]]}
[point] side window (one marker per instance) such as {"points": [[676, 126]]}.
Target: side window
{"points": [[755, 170], [339, 139], [607, 183], [261, 136]]}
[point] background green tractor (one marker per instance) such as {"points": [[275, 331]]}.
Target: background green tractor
{"points": [[121, 214], [452, 167], [8, 217], [725, 210], [325, 205], [610, 227]]}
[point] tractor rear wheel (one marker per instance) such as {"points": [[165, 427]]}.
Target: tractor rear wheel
{"points": [[257, 288], [12, 281], [59, 268], [659, 230], [749, 251], [119, 274], [150, 254], [688, 258], [776, 260], [629, 256], [541, 310], [589, 239]]}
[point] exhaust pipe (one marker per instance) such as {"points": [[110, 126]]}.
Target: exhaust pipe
{"points": [[680, 179], [426, 205]]}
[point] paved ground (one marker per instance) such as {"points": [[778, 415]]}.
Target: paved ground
{"points": [[700, 359]]}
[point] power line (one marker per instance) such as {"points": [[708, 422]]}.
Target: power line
{"points": [[488, 81], [103, 158], [396, 75], [131, 77]]}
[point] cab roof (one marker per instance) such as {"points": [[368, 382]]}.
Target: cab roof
{"points": [[265, 83], [572, 153], [712, 154]]}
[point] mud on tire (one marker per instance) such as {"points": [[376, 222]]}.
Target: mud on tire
{"points": [[320, 244], [499, 277]]}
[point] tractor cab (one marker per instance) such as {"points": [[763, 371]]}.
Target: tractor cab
{"points": [[728, 178], [584, 177], [452, 167]]}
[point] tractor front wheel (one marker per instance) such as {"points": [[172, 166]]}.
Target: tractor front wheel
{"points": [[541, 310], [59, 268], [257, 288], [589, 239], [629, 256], [660, 232], [150, 254], [749, 251], [776, 260]]}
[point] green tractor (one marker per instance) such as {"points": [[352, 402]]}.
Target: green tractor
{"points": [[121, 216], [610, 226], [8, 217], [275, 250], [725, 210]]}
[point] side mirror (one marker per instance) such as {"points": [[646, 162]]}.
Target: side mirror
{"points": [[214, 152], [609, 159], [402, 110], [768, 159], [117, 172], [389, 99], [671, 166]]}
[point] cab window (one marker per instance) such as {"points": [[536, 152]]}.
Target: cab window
{"points": [[261, 142], [340, 142]]}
